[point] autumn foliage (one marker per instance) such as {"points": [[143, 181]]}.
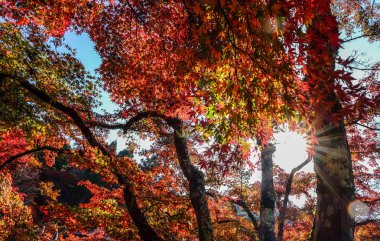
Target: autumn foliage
{"points": [[207, 84]]}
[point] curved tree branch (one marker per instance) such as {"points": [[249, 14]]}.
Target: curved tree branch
{"points": [[250, 215], [364, 69], [105, 125], [28, 152], [68, 111], [74, 115], [144, 115], [281, 216], [146, 232]]}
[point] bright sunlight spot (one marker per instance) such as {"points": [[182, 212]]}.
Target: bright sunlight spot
{"points": [[291, 151]]}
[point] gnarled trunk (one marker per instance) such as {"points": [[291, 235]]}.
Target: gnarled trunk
{"points": [[268, 196], [196, 184]]}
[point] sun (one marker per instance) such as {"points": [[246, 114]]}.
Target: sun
{"points": [[291, 150]]}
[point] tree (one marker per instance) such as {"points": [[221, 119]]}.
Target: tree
{"points": [[195, 72], [335, 181], [335, 186], [34, 70]]}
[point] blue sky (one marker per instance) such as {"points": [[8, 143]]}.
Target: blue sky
{"points": [[90, 59]]}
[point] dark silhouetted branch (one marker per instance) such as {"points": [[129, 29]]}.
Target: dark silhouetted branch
{"points": [[145, 230], [105, 125], [28, 152], [368, 127], [288, 189], [358, 37], [61, 107], [250, 215], [194, 176]]}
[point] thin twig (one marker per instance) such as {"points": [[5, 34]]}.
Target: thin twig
{"points": [[358, 37], [368, 127]]}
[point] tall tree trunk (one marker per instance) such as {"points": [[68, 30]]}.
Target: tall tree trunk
{"points": [[332, 163], [268, 196], [335, 186], [196, 183]]}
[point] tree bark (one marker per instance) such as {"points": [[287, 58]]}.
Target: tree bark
{"points": [[196, 182], [335, 186], [268, 196], [332, 162]]}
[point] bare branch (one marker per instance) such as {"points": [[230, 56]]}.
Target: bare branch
{"points": [[281, 217], [171, 121], [105, 125], [250, 215], [368, 127], [361, 36], [227, 221], [364, 69]]}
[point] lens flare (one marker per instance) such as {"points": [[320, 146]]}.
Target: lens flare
{"points": [[358, 210]]}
